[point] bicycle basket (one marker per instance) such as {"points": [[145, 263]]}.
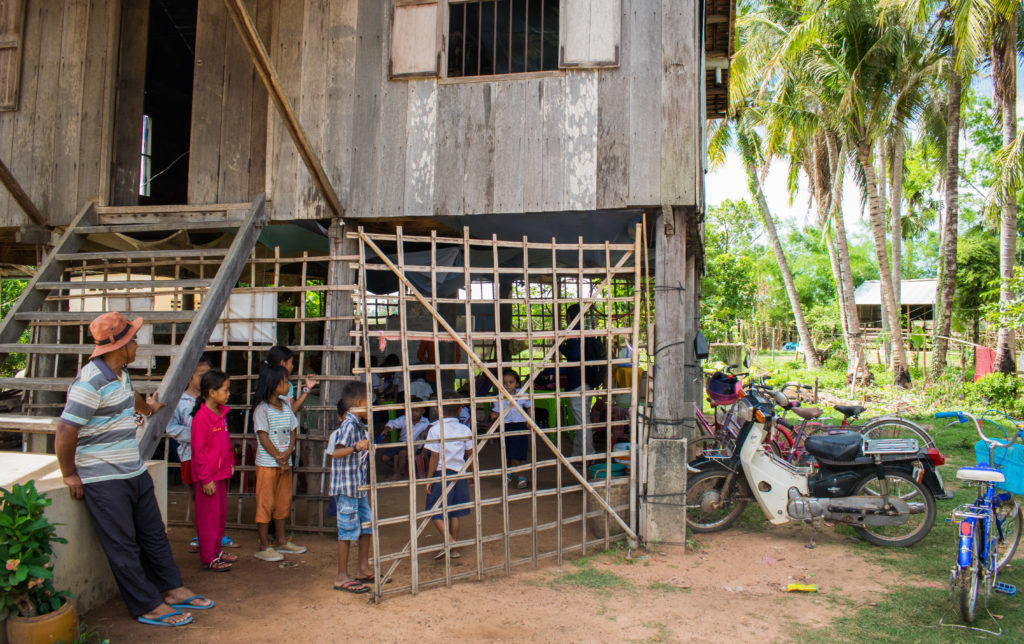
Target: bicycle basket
{"points": [[1009, 460], [723, 389]]}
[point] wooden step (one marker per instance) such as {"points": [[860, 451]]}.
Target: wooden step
{"points": [[123, 285], [32, 424], [170, 209], [168, 226], [85, 317], [83, 349], [198, 253], [62, 384]]}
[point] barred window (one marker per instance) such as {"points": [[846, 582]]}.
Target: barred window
{"points": [[487, 37]]}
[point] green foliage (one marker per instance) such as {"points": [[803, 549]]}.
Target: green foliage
{"points": [[10, 291], [1009, 314], [977, 258], [26, 546], [1001, 391]]}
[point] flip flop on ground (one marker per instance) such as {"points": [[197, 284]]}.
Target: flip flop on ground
{"points": [[162, 620], [369, 579], [353, 586], [188, 605]]}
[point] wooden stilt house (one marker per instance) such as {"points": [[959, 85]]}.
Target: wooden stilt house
{"points": [[366, 177]]}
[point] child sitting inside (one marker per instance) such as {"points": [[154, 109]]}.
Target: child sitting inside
{"points": [[349, 447], [516, 447], [400, 455], [449, 443]]}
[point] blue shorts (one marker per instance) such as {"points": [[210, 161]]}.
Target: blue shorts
{"points": [[458, 494], [352, 513], [517, 447]]}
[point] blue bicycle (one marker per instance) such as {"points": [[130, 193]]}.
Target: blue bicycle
{"points": [[990, 527]]}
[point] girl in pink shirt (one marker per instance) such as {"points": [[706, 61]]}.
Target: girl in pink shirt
{"points": [[212, 463]]}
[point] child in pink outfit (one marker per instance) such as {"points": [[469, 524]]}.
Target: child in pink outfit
{"points": [[212, 464]]}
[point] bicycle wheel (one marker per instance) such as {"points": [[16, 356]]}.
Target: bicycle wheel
{"points": [[1009, 519], [896, 428], [967, 590], [703, 493], [695, 448], [903, 486]]}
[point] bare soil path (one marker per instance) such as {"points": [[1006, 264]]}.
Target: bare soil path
{"points": [[730, 586]]}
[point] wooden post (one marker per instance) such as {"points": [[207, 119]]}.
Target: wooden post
{"points": [[666, 473]]}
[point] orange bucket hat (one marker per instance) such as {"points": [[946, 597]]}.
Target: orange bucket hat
{"points": [[111, 331]]}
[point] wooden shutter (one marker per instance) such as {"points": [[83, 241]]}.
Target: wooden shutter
{"points": [[12, 14], [589, 33], [415, 39]]}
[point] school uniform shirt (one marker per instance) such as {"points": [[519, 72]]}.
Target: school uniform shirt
{"points": [[279, 425], [458, 439], [178, 427], [419, 387], [513, 415], [401, 423], [101, 405], [212, 458], [350, 472]]}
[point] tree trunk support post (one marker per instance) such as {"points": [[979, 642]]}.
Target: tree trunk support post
{"points": [[676, 375]]}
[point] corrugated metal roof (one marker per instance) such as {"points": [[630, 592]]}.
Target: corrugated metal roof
{"points": [[912, 292]]}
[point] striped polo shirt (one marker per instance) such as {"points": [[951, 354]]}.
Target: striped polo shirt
{"points": [[101, 405]]}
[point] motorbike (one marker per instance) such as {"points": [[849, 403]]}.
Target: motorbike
{"points": [[885, 489]]}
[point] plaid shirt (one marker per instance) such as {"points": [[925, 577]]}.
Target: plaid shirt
{"points": [[349, 472]]}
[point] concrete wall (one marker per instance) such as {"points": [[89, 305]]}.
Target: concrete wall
{"points": [[79, 565]]}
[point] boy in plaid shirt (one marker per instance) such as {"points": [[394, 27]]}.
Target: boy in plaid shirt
{"points": [[349, 447]]}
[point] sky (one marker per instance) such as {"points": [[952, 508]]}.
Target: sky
{"points": [[729, 182]]}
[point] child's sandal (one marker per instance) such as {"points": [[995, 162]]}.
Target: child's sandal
{"points": [[218, 565], [223, 556]]}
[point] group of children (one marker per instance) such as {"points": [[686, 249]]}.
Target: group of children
{"points": [[207, 462], [199, 426]]}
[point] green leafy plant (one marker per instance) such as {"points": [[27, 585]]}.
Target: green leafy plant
{"points": [[26, 546]]}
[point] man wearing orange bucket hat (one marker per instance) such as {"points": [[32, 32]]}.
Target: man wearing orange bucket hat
{"points": [[100, 461]]}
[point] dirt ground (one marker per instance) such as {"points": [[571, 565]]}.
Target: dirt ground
{"points": [[729, 586]]}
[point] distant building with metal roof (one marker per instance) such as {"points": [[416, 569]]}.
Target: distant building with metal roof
{"points": [[918, 299]]}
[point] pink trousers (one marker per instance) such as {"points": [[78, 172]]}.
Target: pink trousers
{"points": [[211, 514]]}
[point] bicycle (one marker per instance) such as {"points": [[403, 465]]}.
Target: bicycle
{"points": [[990, 527]]}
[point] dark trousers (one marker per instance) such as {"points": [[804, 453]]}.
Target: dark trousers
{"points": [[131, 531]]}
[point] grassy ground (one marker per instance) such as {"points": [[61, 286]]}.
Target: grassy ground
{"points": [[911, 612]]}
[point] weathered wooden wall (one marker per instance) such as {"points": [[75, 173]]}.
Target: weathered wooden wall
{"points": [[57, 143], [228, 148], [566, 140]]}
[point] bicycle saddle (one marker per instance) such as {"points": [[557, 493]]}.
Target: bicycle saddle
{"points": [[807, 413], [835, 447], [850, 411]]}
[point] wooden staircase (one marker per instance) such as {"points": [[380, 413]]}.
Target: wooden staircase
{"points": [[82, 269]]}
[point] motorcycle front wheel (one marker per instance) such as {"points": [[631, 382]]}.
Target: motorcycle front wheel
{"points": [[903, 486], [706, 510]]}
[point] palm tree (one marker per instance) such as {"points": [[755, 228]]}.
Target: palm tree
{"points": [[990, 26], [739, 123]]}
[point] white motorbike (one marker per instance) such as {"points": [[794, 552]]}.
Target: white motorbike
{"points": [[884, 488]]}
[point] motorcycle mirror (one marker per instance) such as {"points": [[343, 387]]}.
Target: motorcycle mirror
{"points": [[781, 400]]}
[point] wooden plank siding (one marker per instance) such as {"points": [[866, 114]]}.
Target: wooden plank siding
{"points": [[581, 139], [54, 140]]}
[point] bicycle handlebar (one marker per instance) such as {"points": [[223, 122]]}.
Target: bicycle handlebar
{"points": [[962, 417]]}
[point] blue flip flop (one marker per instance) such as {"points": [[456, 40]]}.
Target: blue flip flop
{"points": [[162, 620], [185, 605]]}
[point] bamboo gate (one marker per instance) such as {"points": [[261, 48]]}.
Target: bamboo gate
{"points": [[560, 513]]}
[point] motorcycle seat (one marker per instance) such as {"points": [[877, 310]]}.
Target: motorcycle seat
{"points": [[835, 447], [850, 411], [807, 413]]}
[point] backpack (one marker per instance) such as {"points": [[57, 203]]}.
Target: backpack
{"points": [[595, 374]]}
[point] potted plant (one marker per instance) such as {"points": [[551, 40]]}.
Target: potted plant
{"points": [[35, 611]]}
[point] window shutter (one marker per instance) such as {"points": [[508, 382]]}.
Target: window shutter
{"points": [[12, 13], [590, 32], [415, 39]]}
